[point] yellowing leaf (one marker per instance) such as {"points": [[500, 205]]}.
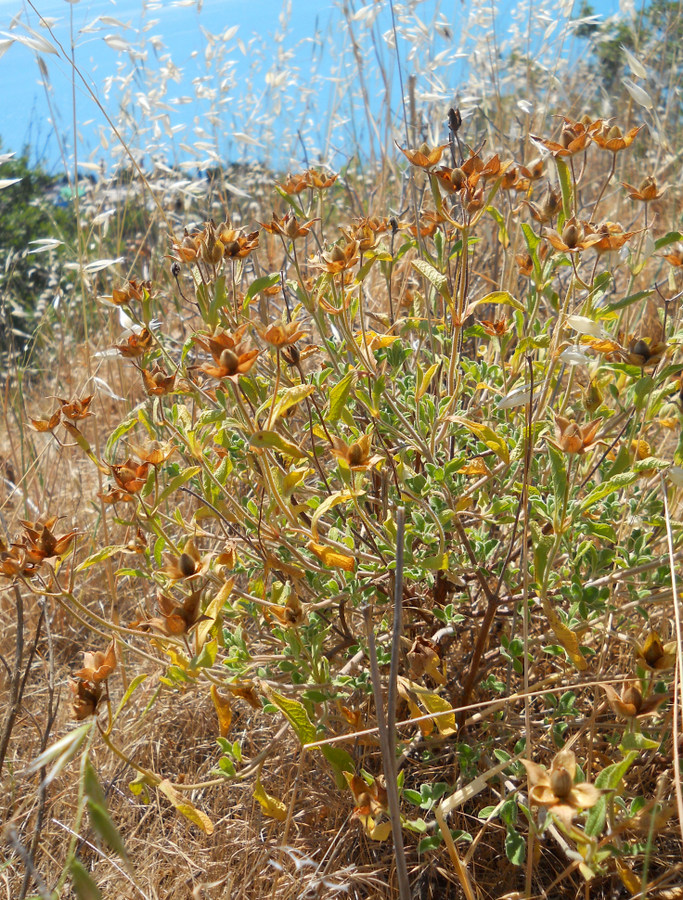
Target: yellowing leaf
{"points": [[601, 346], [295, 713], [424, 380], [271, 806], [426, 726], [435, 278], [565, 636], [630, 881], [375, 341], [274, 441], [497, 297], [286, 400], [432, 703], [185, 808], [212, 612], [223, 711], [377, 831], [475, 466], [487, 436], [177, 658], [332, 558], [327, 504]]}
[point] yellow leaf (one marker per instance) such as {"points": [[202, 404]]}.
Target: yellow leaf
{"points": [[177, 658], [196, 816], [476, 466], [487, 435], [565, 636], [426, 726], [424, 380], [223, 711], [212, 612], [327, 504], [332, 558], [377, 831], [272, 440], [496, 297], [629, 880], [271, 807], [444, 714]]}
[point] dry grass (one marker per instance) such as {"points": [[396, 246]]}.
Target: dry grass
{"points": [[506, 699]]}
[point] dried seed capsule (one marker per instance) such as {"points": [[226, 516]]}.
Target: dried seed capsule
{"points": [[561, 783], [187, 565], [229, 361]]}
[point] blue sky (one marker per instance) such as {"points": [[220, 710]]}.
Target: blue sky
{"points": [[24, 117]]}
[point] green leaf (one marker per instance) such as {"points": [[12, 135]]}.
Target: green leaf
{"points": [[595, 820], [338, 397], [429, 843], [610, 776], [633, 740], [649, 463], [531, 238], [122, 428], [105, 828], [502, 230], [670, 238], [541, 544], [177, 483], [627, 301], [274, 441], [434, 277], [424, 379], [290, 198], [135, 683], [207, 657], [62, 751], [565, 186], [340, 760], [515, 847], [559, 475], [642, 391], [616, 483], [101, 555], [602, 529], [82, 883], [262, 284], [296, 715]]}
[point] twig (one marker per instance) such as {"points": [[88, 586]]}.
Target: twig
{"points": [[387, 727], [396, 631], [15, 683], [679, 661], [20, 850], [51, 716]]}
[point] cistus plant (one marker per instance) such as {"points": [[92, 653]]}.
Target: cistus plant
{"points": [[501, 363]]}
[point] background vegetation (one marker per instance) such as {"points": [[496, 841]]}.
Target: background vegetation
{"points": [[340, 508]]}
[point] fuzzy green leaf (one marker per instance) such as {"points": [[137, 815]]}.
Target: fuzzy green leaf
{"points": [[338, 397]]}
